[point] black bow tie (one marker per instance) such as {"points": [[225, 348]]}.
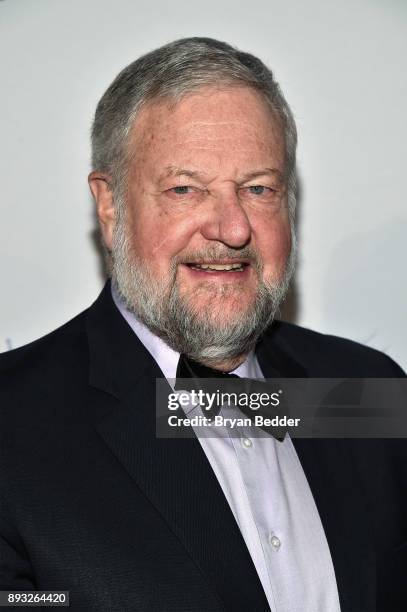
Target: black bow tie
{"points": [[194, 376], [187, 368]]}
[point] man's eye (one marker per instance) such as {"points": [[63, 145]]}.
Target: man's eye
{"points": [[181, 190], [259, 190], [184, 192]]}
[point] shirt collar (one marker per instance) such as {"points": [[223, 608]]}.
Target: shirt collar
{"points": [[166, 358]]}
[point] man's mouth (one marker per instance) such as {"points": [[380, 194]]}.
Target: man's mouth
{"points": [[215, 267]]}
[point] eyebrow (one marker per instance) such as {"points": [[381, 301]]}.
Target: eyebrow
{"points": [[262, 172], [177, 171]]}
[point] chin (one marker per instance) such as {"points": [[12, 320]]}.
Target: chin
{"points": [[222, 295], [222, 305], [221, 313]]}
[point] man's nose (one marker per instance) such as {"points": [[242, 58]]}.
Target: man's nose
{"points": [[227, 221]]}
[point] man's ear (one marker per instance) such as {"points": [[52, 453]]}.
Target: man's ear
{"points": [[99, 184]]}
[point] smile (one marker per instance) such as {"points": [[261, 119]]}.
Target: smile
{"points": [[212, 267]]}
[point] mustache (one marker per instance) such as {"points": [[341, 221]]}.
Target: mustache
{"points": [[217, 254]]}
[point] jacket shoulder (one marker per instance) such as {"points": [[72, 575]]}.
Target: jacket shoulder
{"points": [[41, 363], [326, 355]]}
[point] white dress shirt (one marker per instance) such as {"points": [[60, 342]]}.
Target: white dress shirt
{"points": [[268, 493]]}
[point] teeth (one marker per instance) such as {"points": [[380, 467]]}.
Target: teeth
{"points": [[234, 266]]}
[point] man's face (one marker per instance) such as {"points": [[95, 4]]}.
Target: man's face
{"points": [[206, 214]]}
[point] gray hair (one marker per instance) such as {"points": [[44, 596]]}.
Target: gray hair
{"points": [[171, 72]]}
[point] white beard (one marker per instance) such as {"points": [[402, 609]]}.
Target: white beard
{"points": [[159, 305]]}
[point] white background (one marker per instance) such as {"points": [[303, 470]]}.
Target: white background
{"points": [[342, 67]]}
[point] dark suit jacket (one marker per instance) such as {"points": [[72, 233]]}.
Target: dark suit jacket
{"points": [[92, 502]]}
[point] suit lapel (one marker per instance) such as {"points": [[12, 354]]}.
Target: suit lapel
{"points": [[174, 474], [333, 481]]}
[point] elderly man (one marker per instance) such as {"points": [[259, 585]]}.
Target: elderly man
{"points": [[194, 182]]}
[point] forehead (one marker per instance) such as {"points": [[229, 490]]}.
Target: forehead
{"points": [[209, 120]]}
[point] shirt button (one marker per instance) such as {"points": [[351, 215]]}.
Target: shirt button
{"points": [[274, 541], [246, 442]]}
